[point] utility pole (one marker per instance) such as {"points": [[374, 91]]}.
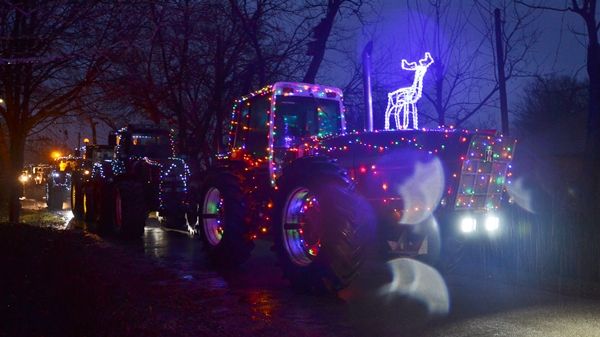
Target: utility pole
{"points": [[368, 96], [501, 75]]}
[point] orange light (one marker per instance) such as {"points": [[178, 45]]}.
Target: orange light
{"points": [[55, 154], [263, 229], [86, 140]]}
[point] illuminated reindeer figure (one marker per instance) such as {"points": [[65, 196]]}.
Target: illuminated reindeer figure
{"points": [[405, 99]]}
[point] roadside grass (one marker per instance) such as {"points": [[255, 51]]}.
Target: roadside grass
{"points": [[42, 217]]}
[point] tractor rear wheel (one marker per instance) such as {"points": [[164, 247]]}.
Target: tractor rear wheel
{"points": [[319, 234], [76, 201], [88, 203], [54, 198], [129, 209]]}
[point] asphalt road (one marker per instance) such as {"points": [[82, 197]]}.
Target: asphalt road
{"points": [[398, 298]]}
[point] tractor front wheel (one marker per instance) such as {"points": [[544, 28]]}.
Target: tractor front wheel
{"points": [[221, 224]]}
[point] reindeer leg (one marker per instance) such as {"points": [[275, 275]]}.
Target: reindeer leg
{"points": [[404, 115], [414, 116], [388, 112], [397, 116]]}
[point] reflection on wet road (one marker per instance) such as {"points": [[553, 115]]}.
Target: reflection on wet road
{"points": [[398, 298]]}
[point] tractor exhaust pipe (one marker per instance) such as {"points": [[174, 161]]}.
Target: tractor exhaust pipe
{"points": [[366, 61]]}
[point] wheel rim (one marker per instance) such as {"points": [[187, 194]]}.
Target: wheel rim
{"points": [[302, 226], [118, 209], [213, 216]]}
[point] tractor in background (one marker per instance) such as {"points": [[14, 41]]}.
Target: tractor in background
{"points": [[143, 175]]}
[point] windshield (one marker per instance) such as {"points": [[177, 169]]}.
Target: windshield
{"points": [[151, 145], [300, 116]]}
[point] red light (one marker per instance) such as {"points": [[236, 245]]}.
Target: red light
{"points": [[363, 169], [463, 139]]}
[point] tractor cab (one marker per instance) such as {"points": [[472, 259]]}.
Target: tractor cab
{"points": [[279, 123]]}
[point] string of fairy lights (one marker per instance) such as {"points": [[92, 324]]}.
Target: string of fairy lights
{"points": [[174, 172]]}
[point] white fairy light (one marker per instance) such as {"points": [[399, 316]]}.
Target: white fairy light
{"points": [[405, 99]]}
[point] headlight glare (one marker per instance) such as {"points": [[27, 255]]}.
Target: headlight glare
{"points": [[492, 223], [468, 224]]}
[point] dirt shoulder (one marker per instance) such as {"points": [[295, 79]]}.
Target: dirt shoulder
{"points": [[70, 283]]}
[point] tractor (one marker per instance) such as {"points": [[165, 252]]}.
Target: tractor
{"points": [[291, 170], [143, 175]]}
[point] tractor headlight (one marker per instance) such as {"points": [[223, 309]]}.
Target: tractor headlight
{"points": [[492, 223], [468, 224]]}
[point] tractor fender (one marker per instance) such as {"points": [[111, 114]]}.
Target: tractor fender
{"points": [[304, 165]]}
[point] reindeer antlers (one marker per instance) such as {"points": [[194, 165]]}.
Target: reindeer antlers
{"points": [[427, 60], [424, 62], [408, 65]]}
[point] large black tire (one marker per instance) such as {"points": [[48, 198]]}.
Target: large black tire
{"points": [[230, 244], [103, 209], [76, 200], [129, 209], [337, 224], [88, 203], [54, 198]]}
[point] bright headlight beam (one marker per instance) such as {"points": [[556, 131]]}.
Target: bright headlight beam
{"points": [[468, 224], [492, 223]]}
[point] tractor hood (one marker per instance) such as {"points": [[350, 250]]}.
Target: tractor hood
{"points": [[421, 169]]}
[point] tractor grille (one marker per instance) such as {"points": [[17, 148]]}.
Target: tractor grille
{"points": [[484, 172]]}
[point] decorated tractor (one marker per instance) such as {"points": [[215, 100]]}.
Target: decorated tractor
{"points": [[58, 181], [143, 176], [92, 154], [291, 170]]}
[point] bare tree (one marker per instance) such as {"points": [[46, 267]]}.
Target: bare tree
{"points": [[587, 11], [50, 52], [462, 81], [328, 11]]}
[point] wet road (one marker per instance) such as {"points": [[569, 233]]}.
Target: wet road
{"points": [[401, 298]]}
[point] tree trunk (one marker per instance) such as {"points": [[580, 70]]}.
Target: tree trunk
{"points": [[17, 152], [439, 91], [501, 76], [321, 34]]}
